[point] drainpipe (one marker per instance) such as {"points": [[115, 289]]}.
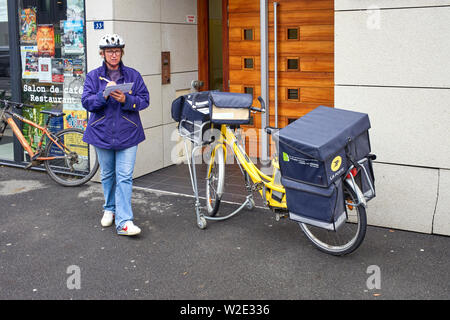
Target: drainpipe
{"points": [[264, 27], [275, 44]]}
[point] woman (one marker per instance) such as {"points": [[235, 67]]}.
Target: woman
{"points": [[115, 129]]}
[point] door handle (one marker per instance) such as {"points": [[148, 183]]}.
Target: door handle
{"points": [[197, 84]]}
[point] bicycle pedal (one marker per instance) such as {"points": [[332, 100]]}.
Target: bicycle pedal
{"points": [[33, 163]]}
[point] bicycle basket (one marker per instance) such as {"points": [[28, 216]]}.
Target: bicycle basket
{"points": [[192, 107], [192, 113], [230, 107]]}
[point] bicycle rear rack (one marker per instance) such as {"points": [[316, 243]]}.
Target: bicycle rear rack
{"points": [[362, 198]]}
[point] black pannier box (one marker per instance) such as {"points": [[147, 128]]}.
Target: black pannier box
{"points": [[322, 207], [315, 148], [191, 110]]}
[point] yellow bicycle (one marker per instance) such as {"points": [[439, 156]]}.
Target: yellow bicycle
{"points": [[338, 241]]}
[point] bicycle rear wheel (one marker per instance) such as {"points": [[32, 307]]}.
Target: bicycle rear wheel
{"points": [[348, 237], [215, 181], [75, 165]]}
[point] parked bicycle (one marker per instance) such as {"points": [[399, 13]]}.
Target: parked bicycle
{"points": [[331, 212], [67, 159]]}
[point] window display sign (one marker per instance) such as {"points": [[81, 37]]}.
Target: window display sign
{"points": [[52, 42], [30, 62], [46, 40], [28, 27], [73, 37]]}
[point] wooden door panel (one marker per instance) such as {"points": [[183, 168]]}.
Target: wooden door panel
{"points": [[241, 6], [305, 63]]}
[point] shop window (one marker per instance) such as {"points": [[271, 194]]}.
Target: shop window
{"points": [[52, 46], [293, 94], [249, 63], [6, 136], [247, 34], [292, 34]]}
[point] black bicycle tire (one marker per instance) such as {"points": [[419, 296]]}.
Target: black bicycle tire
{"points": [[218, 199], [55, 177], [362, 216]]}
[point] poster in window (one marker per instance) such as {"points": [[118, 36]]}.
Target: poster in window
{"points": [[75, 119], [28, 27], [73, 37], [78, 120], [58, 70], [68, 67], [45, 70], [30, 64], [78, 67], [75, 10], [46, 40]]}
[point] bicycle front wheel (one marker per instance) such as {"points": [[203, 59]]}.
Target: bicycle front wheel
{"points": [[74, 163], [215, 181], [348, 237]]}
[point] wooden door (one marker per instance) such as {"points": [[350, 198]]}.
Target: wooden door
{"points": [[305, 57]]}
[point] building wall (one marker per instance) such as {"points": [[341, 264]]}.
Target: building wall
{"points": [[391, 61], [148, 28]]}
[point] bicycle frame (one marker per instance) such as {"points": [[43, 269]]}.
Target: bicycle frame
{"points": [[18, 133], [267, 183]]}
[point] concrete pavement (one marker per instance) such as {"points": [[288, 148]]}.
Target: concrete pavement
{"points": [[52, 246]]}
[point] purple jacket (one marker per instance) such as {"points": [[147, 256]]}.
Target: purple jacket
{"points": [[113, 125]]}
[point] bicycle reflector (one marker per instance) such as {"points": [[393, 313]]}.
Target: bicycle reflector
{"points": [[353, 172]]}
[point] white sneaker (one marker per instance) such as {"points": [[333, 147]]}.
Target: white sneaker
{"points": [[129, 229], [108, 218]]}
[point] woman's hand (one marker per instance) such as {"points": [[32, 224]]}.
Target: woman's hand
{"points": [[111, 83], [118, 96]]}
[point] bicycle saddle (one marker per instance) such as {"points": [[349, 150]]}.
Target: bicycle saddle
{"points": [[53, 113]]}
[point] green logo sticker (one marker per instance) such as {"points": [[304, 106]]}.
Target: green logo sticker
{"points": [[285, 157]]}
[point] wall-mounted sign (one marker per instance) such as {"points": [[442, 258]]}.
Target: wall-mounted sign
{"points": [[99, 25], [190, 19]]}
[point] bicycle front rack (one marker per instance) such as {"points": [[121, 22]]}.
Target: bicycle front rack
{"points": [[196, 139]]}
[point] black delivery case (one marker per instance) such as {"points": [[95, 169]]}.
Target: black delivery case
{"points": [[318, 148]]}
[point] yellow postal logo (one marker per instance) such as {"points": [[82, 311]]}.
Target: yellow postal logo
{"points": [[336, 163]]}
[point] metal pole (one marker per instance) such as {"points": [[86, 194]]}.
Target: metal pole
{"points": [[275, 43], [264, 26]]}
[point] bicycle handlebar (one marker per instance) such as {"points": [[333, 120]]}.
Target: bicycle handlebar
{"points": [[263, 106], [17, 105]]}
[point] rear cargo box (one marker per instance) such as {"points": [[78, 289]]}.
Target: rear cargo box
{"points": [[317, 206], [317, 148]]}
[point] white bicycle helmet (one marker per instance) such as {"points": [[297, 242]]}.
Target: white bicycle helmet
{"points": [[111, 41]]}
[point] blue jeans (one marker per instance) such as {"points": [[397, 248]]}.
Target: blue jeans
{"points": [[116, 171]]}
